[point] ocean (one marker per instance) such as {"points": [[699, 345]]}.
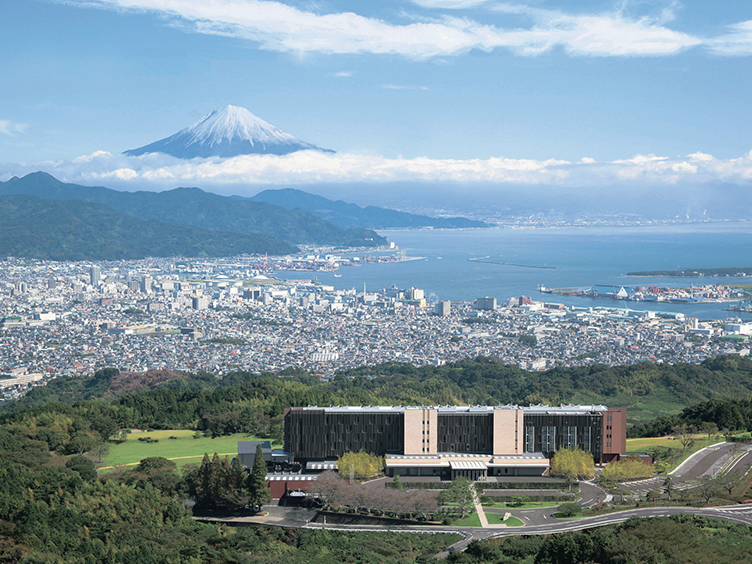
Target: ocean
{"points": [[582, 257]]}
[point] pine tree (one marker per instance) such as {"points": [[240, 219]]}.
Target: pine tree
{"points": [[258, 488], [203, 484]]}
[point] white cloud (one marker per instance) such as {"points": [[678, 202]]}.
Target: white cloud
{"points": [[11, 128], [343, 74], [700, 157], [310, 167], [737, 42], [450, 4], [278, 27], [402, 87]]}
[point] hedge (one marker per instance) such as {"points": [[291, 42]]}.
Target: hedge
{"points": [[487, 485]]}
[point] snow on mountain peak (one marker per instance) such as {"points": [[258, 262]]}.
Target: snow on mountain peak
{"points": [[234, 122], [227, 132]]}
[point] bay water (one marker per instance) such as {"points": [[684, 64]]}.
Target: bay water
{"points": [[572, 257]]}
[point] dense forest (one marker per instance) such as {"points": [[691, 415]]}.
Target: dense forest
{"points": [[31, 227]]}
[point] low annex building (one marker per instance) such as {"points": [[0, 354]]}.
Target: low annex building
{"points": [[478, 442]]}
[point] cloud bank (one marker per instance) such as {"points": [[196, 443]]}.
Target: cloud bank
{"points": [[435, 30], [248, 173]]}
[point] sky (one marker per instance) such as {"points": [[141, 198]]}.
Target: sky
{"points": [[548, 92]]}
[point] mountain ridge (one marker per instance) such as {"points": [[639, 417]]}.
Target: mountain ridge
{"points": [[348, 215], [193, 206], [33, 227]]}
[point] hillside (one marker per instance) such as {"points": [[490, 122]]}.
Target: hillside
{"points": [[350, 215], [648, 390], [192, 206], [31, 227]]}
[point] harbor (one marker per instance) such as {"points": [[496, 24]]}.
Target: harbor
{"points": [[694, 294]]}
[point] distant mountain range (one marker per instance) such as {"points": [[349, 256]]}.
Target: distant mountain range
{"points": [[32, 227], [350, 215], [227, 132], [192, 206]]}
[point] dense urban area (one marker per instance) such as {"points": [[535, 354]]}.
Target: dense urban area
{"points": [[66, 319]]}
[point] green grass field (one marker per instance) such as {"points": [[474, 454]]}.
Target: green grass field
{"points": [[183, 449]]}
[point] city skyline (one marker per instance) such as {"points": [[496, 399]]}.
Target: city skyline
{"points": [[591, 93]]}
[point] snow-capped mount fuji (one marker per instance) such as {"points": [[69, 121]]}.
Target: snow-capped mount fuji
{"points": [[227, 132]]}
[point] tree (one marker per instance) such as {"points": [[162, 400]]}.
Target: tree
{"points": [[256, 484], [652, 495], [462, 493], [85, 467], [423, 502], [398, 483], [708, 488], [154, 464], [709, 428], [573, 463], [80, 443], [326, 487], [104, 425], [569, 509], [360, 465], [628, 468], [683, 433], [99, 451], [668, 486], [729, 480]]}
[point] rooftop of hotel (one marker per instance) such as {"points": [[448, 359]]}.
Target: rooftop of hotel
{"points": [[449, 409]]}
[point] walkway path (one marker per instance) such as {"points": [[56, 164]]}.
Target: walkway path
{"points": [[479, 509]]}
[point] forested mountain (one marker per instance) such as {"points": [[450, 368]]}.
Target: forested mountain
{"points": [[192, 206], [350, 215], [31, 227]]}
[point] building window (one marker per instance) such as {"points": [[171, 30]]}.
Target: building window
{"points": [[530, 439], [569, 439], [548, 439], [586, 439]]}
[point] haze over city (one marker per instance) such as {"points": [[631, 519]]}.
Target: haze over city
{"points": [[467, 93]]}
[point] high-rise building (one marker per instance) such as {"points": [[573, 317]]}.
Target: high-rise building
{"points": [[443, 308], [485, 304], [95, 275], [200, 302], [146, 284]]}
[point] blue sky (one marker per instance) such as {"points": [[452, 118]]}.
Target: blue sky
{"points": [[546, 91]]}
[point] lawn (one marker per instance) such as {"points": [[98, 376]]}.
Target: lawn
{"points": [[473, 520], [498, 519], [503, 505], [183, 449], [528, 505]]}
